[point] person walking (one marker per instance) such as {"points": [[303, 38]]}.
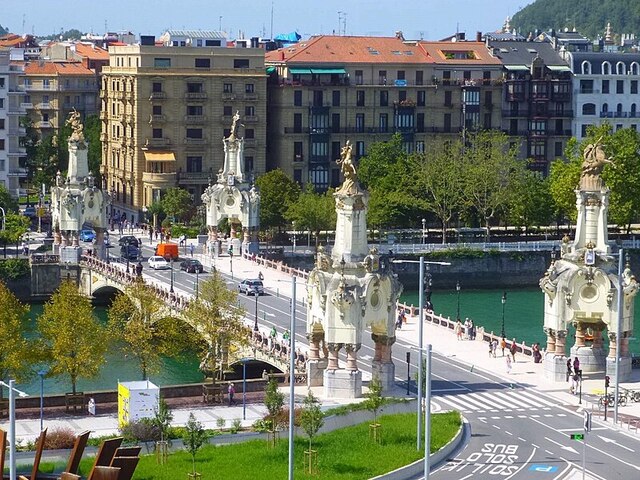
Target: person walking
{"points": [[494, 347], [576, 365], [513, 349], [467, 329], [191, 249], [458, 330], [568, 369], [503, 345], [508, 360], [231, 392]]}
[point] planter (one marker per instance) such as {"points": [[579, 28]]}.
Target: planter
{"points": [[194, 476]]}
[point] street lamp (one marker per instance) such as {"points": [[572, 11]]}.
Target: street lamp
{"points": [[197, 281], [12, 425], [42, 372], [293, 224], [171, 263], [424, 225], [255, 324], [504, 300], [458, 292]]}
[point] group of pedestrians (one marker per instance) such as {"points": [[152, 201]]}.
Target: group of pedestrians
{"points": [[466, 330], [574, 374]]}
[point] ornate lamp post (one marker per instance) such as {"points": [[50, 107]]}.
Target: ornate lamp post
{"points": [[504, 300], [255, 323], [424, 227], [458, 293], [171, 263]]}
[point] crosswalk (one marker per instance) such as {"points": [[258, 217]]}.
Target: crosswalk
{"points": [[494, 401]]}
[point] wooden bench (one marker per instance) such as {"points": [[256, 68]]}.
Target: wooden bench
{"points": [[211, 393], [74, 401]]}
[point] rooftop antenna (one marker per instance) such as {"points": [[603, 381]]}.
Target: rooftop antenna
{"points": [[105, 26], [342, 23], [23, 21], [271, 20]]}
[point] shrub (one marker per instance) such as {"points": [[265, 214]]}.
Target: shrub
{"points": [[190, 232], [13, 268], [221, 422], [143, 430], [236, 425], [59, 438]]}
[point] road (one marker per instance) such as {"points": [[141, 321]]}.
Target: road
{"points": [[516, 432]]}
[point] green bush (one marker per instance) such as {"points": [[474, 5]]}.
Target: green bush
{"points": [[143, 430], [190, 232], [13, 268]]}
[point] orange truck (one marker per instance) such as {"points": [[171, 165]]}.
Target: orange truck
{"points": [[167, 250]]}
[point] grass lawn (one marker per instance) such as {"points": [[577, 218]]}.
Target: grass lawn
{"points": [[345, 454]]}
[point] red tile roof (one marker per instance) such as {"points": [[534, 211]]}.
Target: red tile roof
{"points": [[329, 49], [91, 52], [56, 68], [459, 53]]}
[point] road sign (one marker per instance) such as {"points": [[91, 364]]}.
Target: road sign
{"points": [[577, 436], [587, 421]]}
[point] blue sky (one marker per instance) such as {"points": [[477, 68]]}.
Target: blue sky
{"points": [[429, 19]]}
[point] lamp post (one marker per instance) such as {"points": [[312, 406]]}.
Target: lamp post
{"points": [[292, 378], [458, 293], [616, 392], [231, 261], [244, 388], [171, 263], [255, 323], [293, 225], [113, 198], [12, 425], [504, 301], [424, 225], [42, 372], [197, 281]]}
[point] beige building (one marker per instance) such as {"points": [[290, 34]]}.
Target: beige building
{"points": [[165, 111]]}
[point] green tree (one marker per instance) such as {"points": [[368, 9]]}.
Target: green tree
{"points": [[374, 400], [7, 202], [155, 212], [564, 176], [311, 419], [92, 130], [274, 402], [216, 321], [15, 227], [143, 324], [313, 211], [16, 348], [194, 437], [530, 203], [73, 340], [277, 192], [162, 419], [176, 202]]}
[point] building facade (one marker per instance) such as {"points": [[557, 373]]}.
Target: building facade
{"points": [[165, 111]]}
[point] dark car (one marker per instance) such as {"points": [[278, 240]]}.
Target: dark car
{"points": [[128, 240], [30, 212], [251, 287], [191, 266], [130, 252]]}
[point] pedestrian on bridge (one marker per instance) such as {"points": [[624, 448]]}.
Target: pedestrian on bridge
{"points": [[568, 368], [191, 249], [513, 349]]}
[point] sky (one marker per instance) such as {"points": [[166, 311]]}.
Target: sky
{"points": [[428, 19]]}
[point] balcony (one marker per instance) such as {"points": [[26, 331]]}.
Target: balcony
{"points": [[227, 97], [194, 177], [561, 114], [197, 119], [157, 96], [18, 172], [515, 113], [195, 141], [249, 142], [157, 119], [158, 142], [118, 95], [43, 125], [40, 87], [251, 96], [160, 179], [251, 119], [26, 106], [103, 137], [588, 91], [296, 130], [128, 117], [195, 96]]}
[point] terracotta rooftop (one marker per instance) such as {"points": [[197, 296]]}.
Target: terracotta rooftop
{"points": [[459, 53], [11, 40], [91, 52], [330, 49], [56, 68]]}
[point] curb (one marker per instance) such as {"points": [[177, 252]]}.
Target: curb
{"points": [[417, 468]]}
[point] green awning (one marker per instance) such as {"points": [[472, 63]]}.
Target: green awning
{"points": [[300, 71], [328, 71], [270, 70], [516, 67], [558, 68]]}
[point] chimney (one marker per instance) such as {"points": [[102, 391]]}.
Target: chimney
{"points": [[399, 35], [282, 55], [478, 36]]}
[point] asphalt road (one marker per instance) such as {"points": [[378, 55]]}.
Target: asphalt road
{"points": [[516, 432]]}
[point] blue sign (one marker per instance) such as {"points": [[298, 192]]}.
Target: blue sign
{"points": [[543, 468]]}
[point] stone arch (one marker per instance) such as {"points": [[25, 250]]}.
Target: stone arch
{"points": [[586, 68]]}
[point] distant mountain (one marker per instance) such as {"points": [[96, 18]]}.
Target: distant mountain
{"points": [[589, 17], [3, 30]]}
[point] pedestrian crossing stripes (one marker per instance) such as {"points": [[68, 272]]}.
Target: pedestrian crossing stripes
{"points": [[496, 401]]}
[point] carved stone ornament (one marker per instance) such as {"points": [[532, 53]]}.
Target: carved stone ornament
{"points": [[342, 298], [592, 201]]}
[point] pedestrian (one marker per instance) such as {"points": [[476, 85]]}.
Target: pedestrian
{"points": [[490, 349], [458, 330], [537, 356], [472, 330], [503, 345], [494, 347], [576, 365], [568, 369], [467, 329], [286, 336], [513, 349], [575, 381], [231, 391], [191, 249], [508, 360]]}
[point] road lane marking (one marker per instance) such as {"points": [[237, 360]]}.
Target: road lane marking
{"points": [[521, 439], [523, 465], [610, 440]]}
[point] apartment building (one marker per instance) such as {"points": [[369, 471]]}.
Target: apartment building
{"points": [[12, 153], [165, 111], [536, 100], [605, 90]]}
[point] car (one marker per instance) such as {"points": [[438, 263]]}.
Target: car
{"points": [[191, 265], [128, 240], [130, 252], [30, 212], [158, 263], [251, 287], [87, 235]]}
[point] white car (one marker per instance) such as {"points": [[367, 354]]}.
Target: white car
{"points": [[158, 263]]}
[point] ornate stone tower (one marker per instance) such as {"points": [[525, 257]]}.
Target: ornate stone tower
{"points": [[582, 287], [233, 197], [77, 201], [350, 290]]}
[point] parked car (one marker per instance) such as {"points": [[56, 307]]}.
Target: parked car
{"points": [[251, 287], [130, 252], [128, 240], [87, 235], [158, 263], [167, 250], [191, 265], [30, 212]]}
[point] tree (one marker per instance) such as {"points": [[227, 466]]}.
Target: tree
{"points": [[313, 211], [162, 419], [144, 324], [194, 437], [176, 202], [155, 212], [277, 192], [15, 227], [16, 348], [92, 130], [74, 342], [439, 177], [274, 401], [311, 420], [530, 203], [216, 321], [564, 176], [374, 401], [7, 202]]}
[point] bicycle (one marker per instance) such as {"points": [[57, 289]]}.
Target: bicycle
{"points": [[609, 400], [632, 395]]}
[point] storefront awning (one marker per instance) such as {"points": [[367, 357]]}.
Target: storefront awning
{"points": [[300, 71], [559, 68], [270, 70], [158, 156], [516, 67], [328, 71]]}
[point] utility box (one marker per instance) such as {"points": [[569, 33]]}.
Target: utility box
{"points": [[137, 400]]}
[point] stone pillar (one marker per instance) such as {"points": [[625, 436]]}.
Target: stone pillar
{"points": [[551, 340], [334, 350], [625, 359], [580, 334], [352, 359], [315, 365], [561, 339], [342, 383], [554, 363], [99, 246], [382, 365], [624, 345], [65, 239], [612, 346]]}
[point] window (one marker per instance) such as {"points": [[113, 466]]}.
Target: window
{"points": [[620, 70], [203, 63], [194, 133], [633, 110], [620, 86], [1, 123], [335, 150], [297, 123], [605, 108], [360, 98], [297, 98], [212, 43], [401, 74], [335, 176], [249, 111], [487, 121], [538, 127], [318, 98], [156, 87], [335, 98], [488, 99], [297, 175], [227, 110], [319, 176], [196, 110], [240, 63], [471, 97], [194, 87], [194, 164], [45, 118], [384, 98], [420, 122], [249, 133], [558, 149], [589, 109], [297, 152], [359, 122], [420, 146], [382, 77], [2, 82], [1, 143], [383, 123], [422, 98], [538, 149], [249, 88], [586, 68], [162, 62], [446, 77], [606, 68], [466, 74], [157, 133], [446, 122], [447, 98], [248, 163], [360, 149], [402, 95], [157, 110], [227, 87], [335, 123], [419, 77], [359, 77], [634, 86], [586, 86], [2, 168]]}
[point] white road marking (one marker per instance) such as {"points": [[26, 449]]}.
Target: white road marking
{"points": [[611, 440]]}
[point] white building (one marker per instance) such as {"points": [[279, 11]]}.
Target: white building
{"points": [[12, 154], [605, 90], [193, 38]]}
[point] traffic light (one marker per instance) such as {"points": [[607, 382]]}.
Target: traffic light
{"points": [[606, 381]]}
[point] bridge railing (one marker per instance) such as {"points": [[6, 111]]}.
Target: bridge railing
{"points": [[276, 265], [40, 258]]}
